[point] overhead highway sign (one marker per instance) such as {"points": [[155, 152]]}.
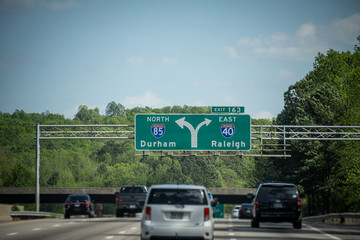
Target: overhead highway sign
{"points": [[194, 132]]}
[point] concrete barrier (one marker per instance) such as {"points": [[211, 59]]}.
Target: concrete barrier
{"points": [[5, 210]]}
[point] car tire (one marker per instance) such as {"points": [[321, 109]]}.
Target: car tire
{"points": [[119, 213], [297, 225], [66, 216], [255, 223]]}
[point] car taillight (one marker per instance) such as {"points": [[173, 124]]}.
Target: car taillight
{"points": [[257, 204], [206, 214], [86, 203], [299, 204], [147, 213], [68, 204]]}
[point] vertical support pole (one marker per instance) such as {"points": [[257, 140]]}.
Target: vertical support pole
{"points": [[37, 170], [284, 136], [261, 140]]}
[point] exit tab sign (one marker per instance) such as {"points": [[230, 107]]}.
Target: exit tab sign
{"points": [[194, 132], [227, 109]]}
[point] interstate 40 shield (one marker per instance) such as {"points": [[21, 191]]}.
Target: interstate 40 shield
{"points": [[194, 132]]}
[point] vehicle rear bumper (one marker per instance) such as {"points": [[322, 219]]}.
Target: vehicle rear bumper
{"points": [[279, 217], [150, 231], [129, 208], [81, 211]]}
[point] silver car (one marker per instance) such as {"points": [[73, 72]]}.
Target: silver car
{"points": [[177, 211]]}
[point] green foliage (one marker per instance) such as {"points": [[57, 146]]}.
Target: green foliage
{"points": [[327, 172], [114, 109], [328, 95], [112, 163]]}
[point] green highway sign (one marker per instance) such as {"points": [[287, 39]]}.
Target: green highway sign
{"points": [[194, 132], [228, 109]]}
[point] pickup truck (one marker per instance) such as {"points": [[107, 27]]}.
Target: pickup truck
{"points": [[130, 199]]}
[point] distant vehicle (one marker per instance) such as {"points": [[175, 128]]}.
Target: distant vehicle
{"points": [[276, 202], [79, 204], [177, 212], [245, 210], [235, 211], [130, 199]]}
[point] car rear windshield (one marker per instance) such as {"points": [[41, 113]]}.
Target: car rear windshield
{"points": [[280, 191], [78, 198], [132, 190], [178, 196]]}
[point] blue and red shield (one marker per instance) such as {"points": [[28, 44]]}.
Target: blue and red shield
{"points": [[158, 130], [227, 130]]}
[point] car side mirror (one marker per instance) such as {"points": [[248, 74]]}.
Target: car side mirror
{"points": [[250, 195]]}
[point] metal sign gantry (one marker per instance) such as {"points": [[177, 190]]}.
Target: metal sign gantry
{"points": [[261, 135]]}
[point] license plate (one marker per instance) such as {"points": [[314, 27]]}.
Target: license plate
{"points": [[177, 215], [278, 205], [132, 206], [77, 205]]}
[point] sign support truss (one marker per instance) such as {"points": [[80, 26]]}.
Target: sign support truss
{"points": [[267, 140]]}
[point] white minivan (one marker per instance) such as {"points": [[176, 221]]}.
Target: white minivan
{"points": [[177, 211]]}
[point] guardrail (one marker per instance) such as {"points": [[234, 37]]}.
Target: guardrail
{"points": [[336, 218], [21, 215]]}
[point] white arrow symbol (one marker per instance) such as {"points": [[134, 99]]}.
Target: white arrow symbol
{"points": [[194, 132]]}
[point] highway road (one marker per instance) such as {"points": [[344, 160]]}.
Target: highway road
{"points": [[78, 228]]}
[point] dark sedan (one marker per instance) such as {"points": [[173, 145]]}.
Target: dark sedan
{"points": [[245, 210], [79, 204]]}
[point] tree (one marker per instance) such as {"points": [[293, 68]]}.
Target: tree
{"points": [[357, 47], [114, 109], [328, 95]]}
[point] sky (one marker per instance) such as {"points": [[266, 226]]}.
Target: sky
{"points": [[56, 55]]}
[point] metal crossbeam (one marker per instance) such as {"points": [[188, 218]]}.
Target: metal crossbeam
{"points": [[259, 135], [287, 132]]}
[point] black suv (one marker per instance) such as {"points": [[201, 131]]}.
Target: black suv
{"points": [[276, 202], [79, 204]]}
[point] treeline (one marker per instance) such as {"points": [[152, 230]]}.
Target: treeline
{"points": [[111, 163], [328, 172]]}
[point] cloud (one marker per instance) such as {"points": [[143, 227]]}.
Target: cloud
{"points": [[284, 73], [344, 30], [169, 61], [148, 99], [231, 51], [212, 84], [135, 60], [17, 5], [308, 40], [263, 115], [306, 30]]}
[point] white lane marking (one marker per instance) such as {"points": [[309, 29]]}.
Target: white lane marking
{"points": [[324, 233], [36, 229], [56, 225], [133, 228], [122, 232], [231, 234], [109, 237], [11, 234]]}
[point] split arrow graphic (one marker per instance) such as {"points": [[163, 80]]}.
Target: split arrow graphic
{"points": [[194, 132]]}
